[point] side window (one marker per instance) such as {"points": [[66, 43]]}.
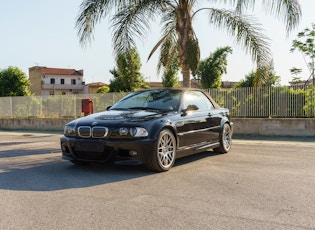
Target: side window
{"points": [[196, 100], [208, 102]]}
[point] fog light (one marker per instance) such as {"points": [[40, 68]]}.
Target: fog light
{"points": [[123, 131], [133, 153]]}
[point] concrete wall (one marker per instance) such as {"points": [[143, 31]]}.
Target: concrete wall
{"points": [[301, 127], [249, 126], [53, 124]]}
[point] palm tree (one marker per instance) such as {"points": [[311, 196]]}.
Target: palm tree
{"points": [[131, 20]]}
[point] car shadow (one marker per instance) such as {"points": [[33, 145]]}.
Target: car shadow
{"points": [[19, 152], [53, 174], [18, 146], [195, 157]]}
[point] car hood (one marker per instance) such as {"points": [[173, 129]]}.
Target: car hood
{"points": [[113, 116]]}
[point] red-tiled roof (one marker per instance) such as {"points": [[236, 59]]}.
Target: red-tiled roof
{"points": [[57, 71]]}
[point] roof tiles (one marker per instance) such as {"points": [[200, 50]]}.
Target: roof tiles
{"points": [[57, 71]]}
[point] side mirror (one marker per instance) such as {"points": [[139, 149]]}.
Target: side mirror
{"points": [[189, 108], [192, 107], [108, 107]]}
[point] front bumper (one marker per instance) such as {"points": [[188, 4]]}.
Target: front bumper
{"points": [[102, 151], [232, 127]]}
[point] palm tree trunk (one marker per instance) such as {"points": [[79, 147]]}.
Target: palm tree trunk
{"points": [[186, 76], [185, 33]]}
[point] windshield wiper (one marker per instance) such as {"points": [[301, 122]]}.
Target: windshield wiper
{"points": [[118, 109], [146, 108]]}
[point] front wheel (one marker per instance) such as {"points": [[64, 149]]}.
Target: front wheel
{"points": [[163, 156], [225, 139]]}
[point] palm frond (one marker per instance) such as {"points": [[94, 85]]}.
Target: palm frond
{"points": [[247, 33], [243, 4], [133, 22], [157, 45], [91, 12], [169, 30], [289, 9], [168, 53], [168, 43]]}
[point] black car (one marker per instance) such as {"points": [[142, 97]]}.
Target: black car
{"points": [[153, 127]]}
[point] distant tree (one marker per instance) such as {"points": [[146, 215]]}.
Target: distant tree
{"points": [[170, 77], [295, 71], [103, 89], [116, 82], [248, 81], [127, 76], [211, 69], [306, 45], [265, 76], [14, 82]]}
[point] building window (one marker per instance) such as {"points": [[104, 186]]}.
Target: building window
{"points": [[62, 81], [73, 81], [52, 80]]}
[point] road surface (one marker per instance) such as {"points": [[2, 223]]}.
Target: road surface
{"points": [[261, 184]]}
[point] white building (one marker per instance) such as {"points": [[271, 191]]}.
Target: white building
{"points": [[55, 81]]}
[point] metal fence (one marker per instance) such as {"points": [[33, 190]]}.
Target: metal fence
{"points": [[243, 102], [277, 102], [54, 106]]}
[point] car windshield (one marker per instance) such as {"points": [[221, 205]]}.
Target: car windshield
{"points": [[161, 100]]}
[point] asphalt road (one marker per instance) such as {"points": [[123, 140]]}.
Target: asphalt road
{"points": [[261, 184]]}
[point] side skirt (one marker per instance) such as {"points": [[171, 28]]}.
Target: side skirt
{"points": [[189, 150]]}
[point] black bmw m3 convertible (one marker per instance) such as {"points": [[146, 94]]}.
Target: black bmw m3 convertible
{"points": [[153, 127]]}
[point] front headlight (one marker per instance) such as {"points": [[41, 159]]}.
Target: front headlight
{"points": [[138, 132], [69, 131], [134, 132]]}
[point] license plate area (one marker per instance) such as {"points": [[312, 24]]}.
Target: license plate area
{"points": [[96, 147]]}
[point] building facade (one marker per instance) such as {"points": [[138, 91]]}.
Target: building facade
{"points": [[47, 81], [93, 87]]}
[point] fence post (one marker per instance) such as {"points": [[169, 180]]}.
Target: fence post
{"points": [[269, 97], [11, 107]]}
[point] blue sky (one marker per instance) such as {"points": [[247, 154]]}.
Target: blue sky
{"points": [[37, 32]]}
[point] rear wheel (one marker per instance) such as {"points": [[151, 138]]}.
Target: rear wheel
{"points": [[225, 139], [163, 156]]}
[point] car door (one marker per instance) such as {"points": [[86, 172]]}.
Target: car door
{"points": [[195, 128]]}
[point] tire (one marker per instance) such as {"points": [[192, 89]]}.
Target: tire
{"points": [[164, 154], [225, 139]]}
